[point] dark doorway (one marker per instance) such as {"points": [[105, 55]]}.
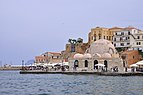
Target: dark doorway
{"points": [[86, 63], [106, 64], [76, 63], [95, 62]]}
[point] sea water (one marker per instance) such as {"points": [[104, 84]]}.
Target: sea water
{"points": [[13, 83]]}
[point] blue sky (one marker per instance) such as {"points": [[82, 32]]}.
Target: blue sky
{"points": [[31, 27]]}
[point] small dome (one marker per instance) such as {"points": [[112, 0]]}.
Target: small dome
{"points": [[87, 55], [106, 55], [97, 55], [78, 56]]}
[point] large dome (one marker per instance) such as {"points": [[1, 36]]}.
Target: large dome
{"points": [[102, 46], [106, 55]]}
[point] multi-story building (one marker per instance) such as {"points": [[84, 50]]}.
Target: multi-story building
{"points": [[49, 57], [128, 37], [121, 39], [99, 33], [41, 59], [137, 42]]}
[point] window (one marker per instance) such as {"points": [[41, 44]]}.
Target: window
{"points": [[128, 43], [115, 45], [109, 38], [126, 38], [114, 39], [122, 33], [121, 39], [128, 32], [99, 36], [116, 34], [94, 38], [122, 44], [138, 37], [139, 43]]}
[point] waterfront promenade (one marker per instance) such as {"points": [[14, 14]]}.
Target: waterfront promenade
{"points": [[82, 72], [11, 68]]}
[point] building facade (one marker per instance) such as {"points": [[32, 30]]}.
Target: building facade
{"points": [[129, 38], [99, 33], [74, 47], [130, 57], [137, 42], [49, 57]]}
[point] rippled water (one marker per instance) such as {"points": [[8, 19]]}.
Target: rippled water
{"points": [[13, 83]]}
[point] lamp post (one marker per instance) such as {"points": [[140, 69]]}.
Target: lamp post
{"points": [[22, 64]]}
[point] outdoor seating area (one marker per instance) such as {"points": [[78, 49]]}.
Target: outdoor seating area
{"points": [[47, 67], [137, 67]]}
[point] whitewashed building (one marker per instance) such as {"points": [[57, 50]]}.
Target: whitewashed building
{"points": [[129, 37]]}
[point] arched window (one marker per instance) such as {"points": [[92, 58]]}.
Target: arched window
{"points": [[86, 63]]}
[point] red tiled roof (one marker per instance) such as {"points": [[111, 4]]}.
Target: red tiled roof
{"points": [[115, 28], [130, 27]]}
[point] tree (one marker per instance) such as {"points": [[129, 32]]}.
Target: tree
{"points": [[74, 41], [79, 40], [70, 41]]}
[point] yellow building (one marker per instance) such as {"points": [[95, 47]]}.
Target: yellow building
{"points": [[99, 33]]}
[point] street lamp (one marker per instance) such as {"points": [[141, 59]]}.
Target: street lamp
{"points": [[22, 64]]}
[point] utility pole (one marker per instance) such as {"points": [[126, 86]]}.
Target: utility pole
{"points": [[0, 63]]}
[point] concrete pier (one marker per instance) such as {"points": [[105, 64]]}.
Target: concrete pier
{"points": [[82, 72]]}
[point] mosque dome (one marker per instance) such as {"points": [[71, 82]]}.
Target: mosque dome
{"points": [[87, 55], [102, 46], [78, 56], [106, 55]]}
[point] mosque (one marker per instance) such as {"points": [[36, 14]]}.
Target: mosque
{"points": [[101, 54]]}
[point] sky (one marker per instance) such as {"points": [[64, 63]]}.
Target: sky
{"points": [[29, 28]]}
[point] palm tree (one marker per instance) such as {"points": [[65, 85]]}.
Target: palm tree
{"points": [[70, 41], [79, 40]]}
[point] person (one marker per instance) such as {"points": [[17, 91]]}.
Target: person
{"points": [[132, 69], [63, 69], [126, 69]]}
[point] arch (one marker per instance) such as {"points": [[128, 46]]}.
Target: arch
{"points": [[95, 62], [86, 63], [111, 50], [76, 63], [105, 63]]}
